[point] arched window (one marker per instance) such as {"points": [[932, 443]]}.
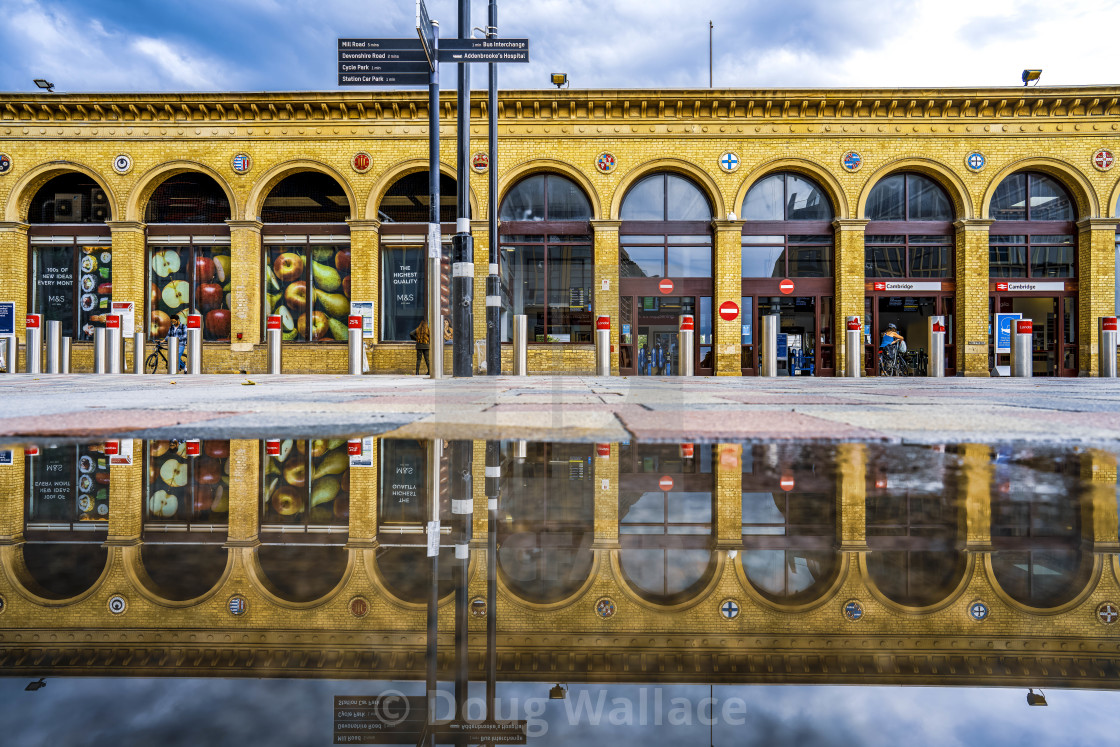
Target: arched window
{"points": [[546, 260], [786, 196], [1034, 235], [409, 201], [397, 568], [63, 570], [307, 267], [665, 556], [71, 278], [910, 232], [302, 573], [183, 571], [190, 269], [800, 250]]}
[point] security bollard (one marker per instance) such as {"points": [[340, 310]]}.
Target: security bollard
{"points": [[686, 349], [138, 353], [54, 347], [100, 364], [1106, 366], [853, 348], [64, 355], [273, 338], [194, 344], [354, 344], [11, 354], [520, 345], [113, 342], [33, 352], [936, 337], [1022, 351], [769, 352], [493, 322], [603, 346], [172, 355]]}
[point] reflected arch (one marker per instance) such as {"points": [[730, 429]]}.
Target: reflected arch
{"points": [[821, 176], [25, 190], [261, 191], [402, 573], [546, 569], [917, 578], [519, 173], [152, 180], [668, 577], [182, 572], [942, 175], [791, 577], [61, 571], [1070, 178], [302, 574], [701, 179], [1048, 580]]}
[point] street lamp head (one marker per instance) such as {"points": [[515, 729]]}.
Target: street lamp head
{"points": [[1036, 699], [557, 692], [559, 79], [33, 686], [1029, 75], [44, 83]]}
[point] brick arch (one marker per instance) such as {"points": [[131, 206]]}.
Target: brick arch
{"points": [[699, 176], [1113, 207], [382, 589], [152, 179], [24, 190], [269, 179], [1070, 177], [843, 569], [398, 171], [963, 583], [250, 561], [551, 166], [138, 575], [577, 595], [1091, 584], [946, 178], [21, 580], [716, 568], [803, 167]]}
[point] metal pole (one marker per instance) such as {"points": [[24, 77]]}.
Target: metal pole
{"points": [[113, 343], [11, 355], [138, 353], [1107, 357], [100, 364], [354, 345], [33, 344], [603, 346], [710, 27], [493, 487], [462, 506], [462, 244], [493, 281], [273, 338], [432, 681], [936, 338], [172, 355], [194, 345], [520, 345], [54, 335], [1022, 351], [768, 366], [435, 245], [686, 352], [64, 355], [853, 343]]}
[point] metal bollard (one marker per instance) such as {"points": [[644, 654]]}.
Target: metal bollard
{"points": [[194, 344], [686, 348], [435, 307], [64, 355], [11, 354], [1022, 351], [273, 338], [1106, 359], [54, 343], [33, 351], [138, 353], [768, 366], [520, 345], [172, 355], [936, 337], [100, 365], [603, 346], [493, 322], [354, 344], [853, 348], [113, 343]]}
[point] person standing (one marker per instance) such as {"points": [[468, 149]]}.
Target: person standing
{"points": [[423, 336], [179, 331]]}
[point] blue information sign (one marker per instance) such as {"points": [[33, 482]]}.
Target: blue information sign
{"points": [[1003, 331], [783, 347], [7, 318]]}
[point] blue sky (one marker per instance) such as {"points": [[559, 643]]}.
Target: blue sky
{"points": [[191, 45]]}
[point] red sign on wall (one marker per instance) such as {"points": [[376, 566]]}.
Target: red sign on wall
{"points": [[665, 483], [665, 286], [786, 286], [194, 321], [728, 310], [273, 321]]}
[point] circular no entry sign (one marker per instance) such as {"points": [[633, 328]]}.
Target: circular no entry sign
{"points": [[728, 311], [665, 286], [786, 482], [666, 483], [786, 286]]}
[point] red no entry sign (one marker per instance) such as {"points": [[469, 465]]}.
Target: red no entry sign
{"points": [[728, 310], [666, 483], [786, 482], [665, 286], [786, 286]]}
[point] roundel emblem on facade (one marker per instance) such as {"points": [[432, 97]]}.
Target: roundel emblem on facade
{"points": [[361, 162], [728, 161], [730, 609], [5, 163], [1, 604], [978, 610], [241, 163], [853, 610], [122, 164], [975, 161], [480, 162], [605, 608], [1103, 160], [478, 607], [605, 162], [117, 604], [852, 160], [237, 605], [1107, 613], [359, 607]]}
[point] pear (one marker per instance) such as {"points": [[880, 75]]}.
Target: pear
{"points": [[325, 277], [334, 443], [322, 254], [325, 490], [221, 267], [221, 500], [286, 447], [339, 331], [286, 320], [273, 281], [333, 463], [274, 299], [335, 304]]}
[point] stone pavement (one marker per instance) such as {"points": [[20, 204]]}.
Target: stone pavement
{"points": [[571, 408]]}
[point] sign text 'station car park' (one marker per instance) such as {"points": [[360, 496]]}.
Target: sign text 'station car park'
{"points": [[403, 62]]}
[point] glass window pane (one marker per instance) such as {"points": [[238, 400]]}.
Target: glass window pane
{"points": [[656, 238], [570, 279], [1010, 200], [686, 201], [810, 262], [1008, 239], [1056, 239], [1049, 201], [169, 268], [923, 239], [927, 200], [931, 262], [56, 288], [764, 262], [288, 292], [764, 239], [693, 239], [330, 283], [885, 261], [887, 199], [307, 197], [525, 201], [805, 200], [885, 239], [1052, 261], [645, 200], [403, 297], [766, 199], [523, 288], [1007, 261], [820, 238], [212, 288], [690, 261], [642, 262], [566, 201], [705, 322]]}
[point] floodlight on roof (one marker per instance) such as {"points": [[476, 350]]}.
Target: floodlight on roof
{"points": [[44, 83], [1029, 75]]}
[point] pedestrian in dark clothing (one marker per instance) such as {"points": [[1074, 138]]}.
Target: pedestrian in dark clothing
{"points": [[180, 331], [423, 337]]}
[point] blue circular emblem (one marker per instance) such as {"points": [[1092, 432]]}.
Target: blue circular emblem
{"points": [[975, 161], [978, 611], [605, 608], [237, 605], [117, 604], [5, 163], [1108, 613], [606, 162], [852, 160], [728, 161], [241, 163], [729, 608], [853, 610]]}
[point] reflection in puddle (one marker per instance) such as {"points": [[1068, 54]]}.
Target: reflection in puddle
{"points": [[676, 566]]}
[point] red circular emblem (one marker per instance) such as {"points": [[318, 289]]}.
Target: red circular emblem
{"points": [[728, 310], [665, 286], [359, 607], [666, 483], [605, 162], [480, 162], [1103, 160], [786, 286], [361, 162]]}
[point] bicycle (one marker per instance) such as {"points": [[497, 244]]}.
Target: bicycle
{"points": [[892, 363], [151, 363]]}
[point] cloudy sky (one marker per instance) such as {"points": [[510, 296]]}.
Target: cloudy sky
{"points": [[203, 45]]}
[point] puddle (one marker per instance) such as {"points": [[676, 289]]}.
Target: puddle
{"points": [[162, 588]]}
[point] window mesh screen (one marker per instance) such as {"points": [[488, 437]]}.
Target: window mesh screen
{"points": [[188, 198], [307, 197]]}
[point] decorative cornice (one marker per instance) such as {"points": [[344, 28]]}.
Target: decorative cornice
{"points": [[249, 225], [1098, 224], [975, 224], [605, 226], [360, 224], [850, 224], [126, 226]]}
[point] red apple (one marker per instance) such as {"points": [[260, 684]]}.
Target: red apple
{"points": [[287, 501], [346, 286], [203, 269], [288, 267], [295, 474], [210, 296], [295, 296], [154, 298], [207, 471], [159, 448], [203, 499], [320, 325], [218, 324], [216, 449], [342, 261], [161, 322]]}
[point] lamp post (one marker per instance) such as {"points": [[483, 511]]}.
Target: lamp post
{"points": [[462, 244]]}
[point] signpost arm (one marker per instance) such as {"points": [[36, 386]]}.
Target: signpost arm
{"points": [[435, 243], [493, 282], [462, 282]]}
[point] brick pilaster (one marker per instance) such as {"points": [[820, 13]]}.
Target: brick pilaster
{"points": [[1096, 286], [848, 271], [605, 236], [246, 263], [728, 286], [971, 297]]}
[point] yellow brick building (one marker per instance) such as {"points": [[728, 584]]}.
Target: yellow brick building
{"points": [[890, 205]]}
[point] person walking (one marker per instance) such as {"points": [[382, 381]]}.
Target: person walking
{"points": [[423, 336], [180, 331]]}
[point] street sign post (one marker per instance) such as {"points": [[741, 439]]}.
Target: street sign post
{"points": [[426, 30]]}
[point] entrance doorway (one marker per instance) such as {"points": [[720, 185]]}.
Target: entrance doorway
{"points": [[648, 334], [805, 325], [1054, 338], [910, 314]]}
